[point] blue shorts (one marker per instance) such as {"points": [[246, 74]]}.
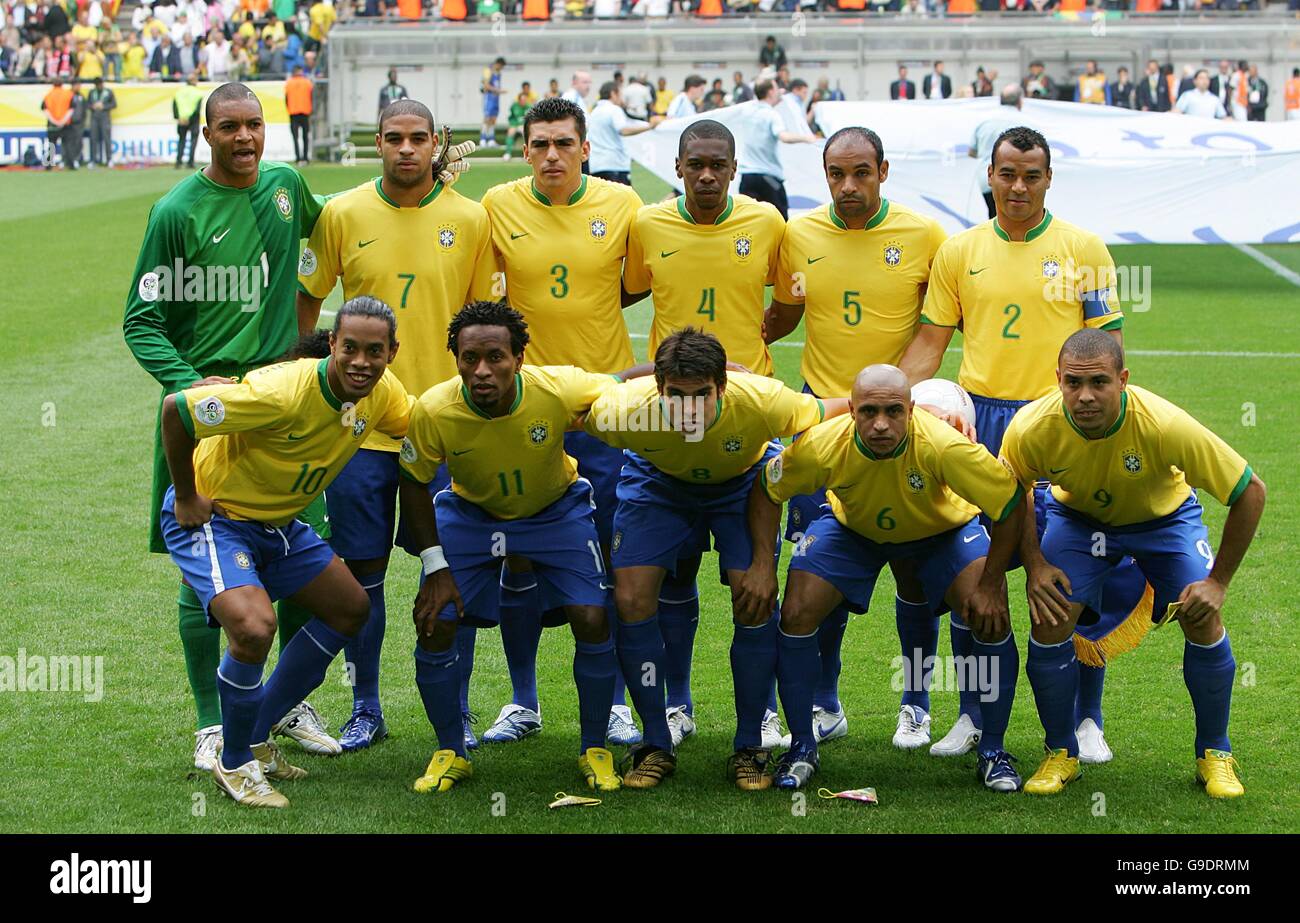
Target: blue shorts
{"points": [[362, 504], [992, 417], [1171, 552], [559, 540], [491, 105], [600, 464], [226, 553], [851, 562], [804, 508], [661, 518]]}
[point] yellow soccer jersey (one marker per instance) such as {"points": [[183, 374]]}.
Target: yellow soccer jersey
{"points": [[269, 445], [424, 262], [512, 466], [861, 289], [1139, 471], [711, 277], [935, 481], [1018, 301], [752, 411], [563, 266]]}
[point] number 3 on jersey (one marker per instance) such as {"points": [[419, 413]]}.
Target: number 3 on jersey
{"points": [[560, 275]]}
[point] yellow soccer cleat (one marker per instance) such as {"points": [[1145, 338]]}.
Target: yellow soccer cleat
{"points": [[1057, 770], [443, 771], [646, 766], [1218, 773], [748, 768], [597, 767], [247, 785], [274, 765]]}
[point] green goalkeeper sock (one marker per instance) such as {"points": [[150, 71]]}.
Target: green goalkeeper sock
{"points": [[290, 617], [202, 646]]}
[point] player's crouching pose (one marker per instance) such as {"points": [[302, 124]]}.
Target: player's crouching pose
{"points": [[903, 485], [1122, 462], [246, 459], [499, 427], [694, 440]]}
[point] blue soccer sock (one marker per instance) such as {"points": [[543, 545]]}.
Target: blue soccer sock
{"points": [[620, 686], [997, 668], [363, 651], [1087, 704], [798, 665], [240, 686], [521, 635], [438, 678], [918, 638], [300, 669], [1208, 672], [753, 672], [1054, 676], [594, 667], [830, 638], [641, 656], [465, 639], [963, 643], [678, 622]]}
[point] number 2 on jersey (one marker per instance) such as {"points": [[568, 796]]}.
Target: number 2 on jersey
{"points": [[1013, 314]]}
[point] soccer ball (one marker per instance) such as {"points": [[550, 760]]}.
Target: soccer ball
{"points": [[946, 395]]}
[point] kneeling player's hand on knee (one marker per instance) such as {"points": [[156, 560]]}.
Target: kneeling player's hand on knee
{"points": [[1201, 600], [435, 593], [193, 511], [756, 594], [1047, 604], [987, 613]]}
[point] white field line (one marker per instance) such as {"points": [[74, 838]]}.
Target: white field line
{"points": [[1269, 263]]}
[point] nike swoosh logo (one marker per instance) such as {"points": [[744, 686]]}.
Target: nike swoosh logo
{"points": [[968, 539], [811, 260], [362, 244], [976, 272], [514, 236], [217, 238], [664, 254], [461, 452], [293, 438], [1059, 470]]}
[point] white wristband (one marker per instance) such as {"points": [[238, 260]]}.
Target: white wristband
{"points": [[433, 560]]}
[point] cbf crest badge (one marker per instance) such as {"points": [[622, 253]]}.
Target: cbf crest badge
{"points": [[538, 432], [742, 246], [447, 236], [915, 480], [617, 543], [283, 203], [733, 444], [1131, 459], [243, 560], [358, 427], [599, 227], [893, 254], [1051, 267]]}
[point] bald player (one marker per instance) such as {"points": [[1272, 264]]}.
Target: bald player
{"points": [[1018, 285], [1123, 464], [856, 273], [902, 485]]}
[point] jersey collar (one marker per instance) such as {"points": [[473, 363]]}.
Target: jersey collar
{"points": [[519, 396], [433, 193], [573, 199], [1114, 427], [686, 215], [881, 213], [322, 378], [1034, 232], [898, 450]]}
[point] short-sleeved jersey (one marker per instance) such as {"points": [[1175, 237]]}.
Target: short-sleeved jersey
{"points": [[424, 262], [563, 264], [213, 288], [269, 445], [1018, 301], [752, 411], [511, 466], [936, 480], [708, 276], [1143, 467], [861, 289]]}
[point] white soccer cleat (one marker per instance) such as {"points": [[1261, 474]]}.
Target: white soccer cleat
{"points": [[913, 728], [206, 747], [621, 729], [680, 724], [513, 723], [1092, 743], [828, 725], [774, 735], [304, 726], [960, 740], [247, 785]]}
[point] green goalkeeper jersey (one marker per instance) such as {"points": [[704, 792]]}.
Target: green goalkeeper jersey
{"points": [[215, 281]]}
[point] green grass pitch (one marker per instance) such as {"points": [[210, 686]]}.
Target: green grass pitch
{"points": [[75, 579]]}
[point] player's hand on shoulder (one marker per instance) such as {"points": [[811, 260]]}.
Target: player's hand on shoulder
{"points": [[737, 367], [1043, 586], [193, 511], [435, 593], [212, 380], [1201, 600], [955, 420]]}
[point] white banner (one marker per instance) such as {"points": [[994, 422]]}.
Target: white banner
{"points": [[1132, 177]]}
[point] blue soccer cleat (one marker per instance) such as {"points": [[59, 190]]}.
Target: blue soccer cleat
{"points": [[997, 773], [471, 742], [795, 767], [514, 723], [364, 729]]}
